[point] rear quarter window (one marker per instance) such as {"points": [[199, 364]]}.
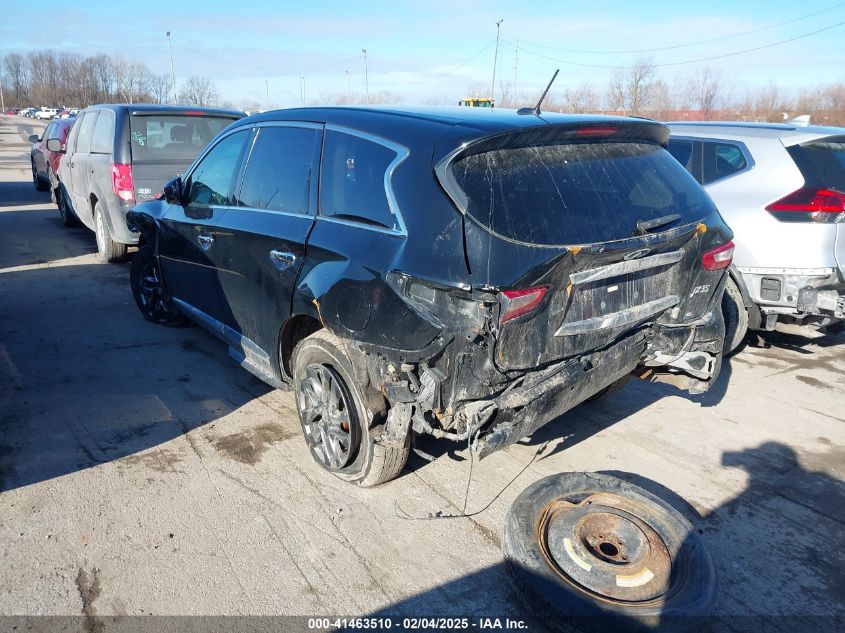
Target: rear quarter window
{"points": [[577, 193], [722, 160], [352, 182], [178, 138]]}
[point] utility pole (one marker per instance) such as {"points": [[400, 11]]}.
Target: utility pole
{"points": [[172, 74], [495, 58], [2, 101], [515, 62], [267, 88], [301, 89], [366, 77], [348, 88]]}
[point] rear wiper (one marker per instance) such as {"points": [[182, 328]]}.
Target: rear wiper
{"points": [[644, 226]]}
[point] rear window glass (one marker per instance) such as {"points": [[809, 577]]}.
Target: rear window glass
{"points": [[578, 193], [172, 137], [822, 163]]}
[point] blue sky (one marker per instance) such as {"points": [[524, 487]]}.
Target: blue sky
{"points": [[435, 48]]}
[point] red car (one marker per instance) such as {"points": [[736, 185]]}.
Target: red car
{"points": [[45, 164]]}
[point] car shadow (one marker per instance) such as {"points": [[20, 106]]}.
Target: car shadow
{"points": [[38, 244], [85, 380], [22, 192], [776, 546]]}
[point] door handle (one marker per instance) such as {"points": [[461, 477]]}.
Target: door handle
{"points": [[281, 259], [205, 241]]}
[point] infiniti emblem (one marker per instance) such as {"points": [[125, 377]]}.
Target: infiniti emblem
{"points": [[638, 253]]}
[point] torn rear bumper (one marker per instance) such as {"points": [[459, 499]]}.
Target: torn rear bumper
{"points": [[544, 396]]}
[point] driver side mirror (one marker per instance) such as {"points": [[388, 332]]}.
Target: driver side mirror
{"points": [[34, 138], [173, 191], [55, 145]]}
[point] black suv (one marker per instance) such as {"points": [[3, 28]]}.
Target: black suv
{"points": [[466, 274], [124, 153]]}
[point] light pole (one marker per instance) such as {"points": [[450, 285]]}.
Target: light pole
{"points": [[495, 58], [172, 74], [366, 77], [267, 88], [348, 88], [2, 101], [301, 89]]}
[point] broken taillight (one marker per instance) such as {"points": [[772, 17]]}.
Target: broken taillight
{"points": [[122, 185], [809, 204], [719, 257], [518, 302]]}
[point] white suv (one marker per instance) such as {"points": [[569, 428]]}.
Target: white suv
{"points": [[46, 113], [781, 188]]}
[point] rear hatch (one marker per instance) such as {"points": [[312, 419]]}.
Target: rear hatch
{"points": [[822, 199], [602, 219], [164, 144]]}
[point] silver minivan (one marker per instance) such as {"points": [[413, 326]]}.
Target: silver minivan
{"points": [[781, 188]]}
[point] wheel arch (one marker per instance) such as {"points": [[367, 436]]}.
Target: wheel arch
{"points": [[294, 330]]}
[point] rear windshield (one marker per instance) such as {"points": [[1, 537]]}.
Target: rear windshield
{"points": [[578, 193], [172, 137], [822, 163]]}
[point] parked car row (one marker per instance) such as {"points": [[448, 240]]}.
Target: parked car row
{"points": [[461, 273], [45, 113]]}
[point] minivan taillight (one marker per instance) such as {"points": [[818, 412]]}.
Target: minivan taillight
{"points": [[518, 302], [122, 185], [719, 257], [809, 204]]}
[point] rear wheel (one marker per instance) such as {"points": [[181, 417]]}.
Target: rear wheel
{"points": [[107, 249], [612, 388], [736, 318], [40, 185], [335, 421], [149, 292]]}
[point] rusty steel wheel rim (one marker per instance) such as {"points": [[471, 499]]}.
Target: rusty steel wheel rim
{"points": [[602, 546]]}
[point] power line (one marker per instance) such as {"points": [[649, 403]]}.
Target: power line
{"points": [[681, 63], [467, 62], [689, 44]]}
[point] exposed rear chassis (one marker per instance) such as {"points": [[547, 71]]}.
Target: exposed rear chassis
{"points": [[660, 353]]}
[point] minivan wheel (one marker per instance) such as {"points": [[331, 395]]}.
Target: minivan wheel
{"points": [[107, 249], [592, 550], [335, 421], [736, 318], [149, 292], [40, 185]]}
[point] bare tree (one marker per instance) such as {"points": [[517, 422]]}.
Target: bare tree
{"points": [[199, 91], [16, 78], [705, 91], [582, 98], [632, 87], [159, 87]]}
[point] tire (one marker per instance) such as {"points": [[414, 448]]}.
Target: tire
{"points": [[612, 388], [364, 462], [107, 249], [40, 185], [69, 218], [736, 318], [680, 593], [149, 292]]}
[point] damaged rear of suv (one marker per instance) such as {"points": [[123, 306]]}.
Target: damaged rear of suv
{"points": [[466, 275]]}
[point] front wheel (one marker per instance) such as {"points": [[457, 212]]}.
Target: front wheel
{"points": [[107, 249], [335, 421], [149, 292]]}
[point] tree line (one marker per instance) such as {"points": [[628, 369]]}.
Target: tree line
{"points": [[53, 78]]}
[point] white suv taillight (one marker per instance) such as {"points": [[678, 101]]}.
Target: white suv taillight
{"points": [[518, 302], [122, 185], [809, 204]]}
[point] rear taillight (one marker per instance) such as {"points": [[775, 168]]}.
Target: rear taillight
{"points": [[810, 205], [121, 178], [719, 257], [518, 302]]}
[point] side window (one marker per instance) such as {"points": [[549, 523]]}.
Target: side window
{"points": [[211, 181], [74, 133], [721, 160], [86, 130], [102, 141], [352, 180], [50, 132], [278, 175]]}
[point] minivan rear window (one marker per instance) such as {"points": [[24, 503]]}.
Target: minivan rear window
{"points": [[822, 162], [157, 138], [577, 193]]}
